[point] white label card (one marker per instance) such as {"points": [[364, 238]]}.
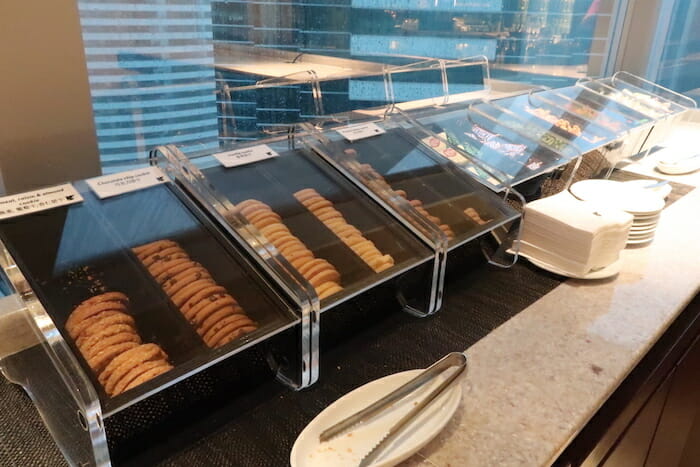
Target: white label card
{"points": [[360, 131], [246, 155], [124, 182], [38, 200]]}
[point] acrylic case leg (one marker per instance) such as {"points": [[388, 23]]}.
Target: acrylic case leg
{"points": [[76, 426], [420, 290]]}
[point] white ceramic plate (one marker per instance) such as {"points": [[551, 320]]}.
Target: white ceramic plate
{"points": [[637, 201], [602, 273], [350, 447], [644, 230], [640, 242], [663, 190]]}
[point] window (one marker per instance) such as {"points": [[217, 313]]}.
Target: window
{"points": [[165, 71], [679, 68]]}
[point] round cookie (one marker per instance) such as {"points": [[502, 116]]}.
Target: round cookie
{"points": [[213, 318], [127, 360], [153, 247], [99, 361], [312, 270], [252, 208], [323, 277], [165, 270], [177, 283], [314, 205], [303, 195], [334, 289], [205, 302], [190, 290], [102, 322], [90, 339], [225, 303], [225, 326], [326, 214], [300, 261], [286, 241], [83, 313], [159, 255], [274, 228], [111, 317], [299, 253], [314, 263], [134, 373], [201, 294], [323, 287], [106, 342], [235, 335], [149, 375]]}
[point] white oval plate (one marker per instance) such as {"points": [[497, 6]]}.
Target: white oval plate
{"points": [[349, 448], [602, 273], [663, 190], [637, 201]]}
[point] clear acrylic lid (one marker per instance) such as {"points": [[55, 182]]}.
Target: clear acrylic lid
{"points": [[400, 164], [282, 184], [71, 253]]}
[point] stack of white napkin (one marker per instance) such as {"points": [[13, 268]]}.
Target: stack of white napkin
{"points": [[573, 236]]}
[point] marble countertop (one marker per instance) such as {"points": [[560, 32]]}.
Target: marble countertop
{"points": [[535, 381]]}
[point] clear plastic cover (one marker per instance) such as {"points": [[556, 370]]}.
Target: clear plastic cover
{"points": [[401, 167], [312, 217], [72, 253]]}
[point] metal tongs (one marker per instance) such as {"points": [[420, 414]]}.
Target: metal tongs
{"points": [[454, 359]]}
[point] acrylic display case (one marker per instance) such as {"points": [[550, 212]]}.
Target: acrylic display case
{"points": [[349, 234], [59, 257], [663, 106]]}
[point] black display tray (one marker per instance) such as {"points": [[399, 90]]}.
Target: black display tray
{"points": [[71, 253]]}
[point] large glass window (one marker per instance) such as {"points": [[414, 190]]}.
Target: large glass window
{"points": [[679, 68], [167, 71]]}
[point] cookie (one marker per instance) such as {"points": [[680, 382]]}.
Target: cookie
{"points": [[173, 285], [200, 293], [274, 228], [315, 204], [146, 250], [89, 339], [191, 289], [160, 254], [205, 302], [109, 317], [83, 313], [224, 327], [207, 322], [167, 269], [134, 373], [129, 359], [315, 265], [303, 195], [324, 276], [104, 343], [331, 290], [99, 361], [235, 335], [147, 376]]}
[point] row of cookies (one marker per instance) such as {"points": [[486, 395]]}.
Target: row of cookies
{"points": [[210, 309], [321, 274], [368, 172], [324, 211], [106, 336]]}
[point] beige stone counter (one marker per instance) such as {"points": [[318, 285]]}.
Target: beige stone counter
{"points": [[534, 382]]}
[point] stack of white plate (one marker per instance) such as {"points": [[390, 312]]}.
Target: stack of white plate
{"points": [[644, 204]]}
